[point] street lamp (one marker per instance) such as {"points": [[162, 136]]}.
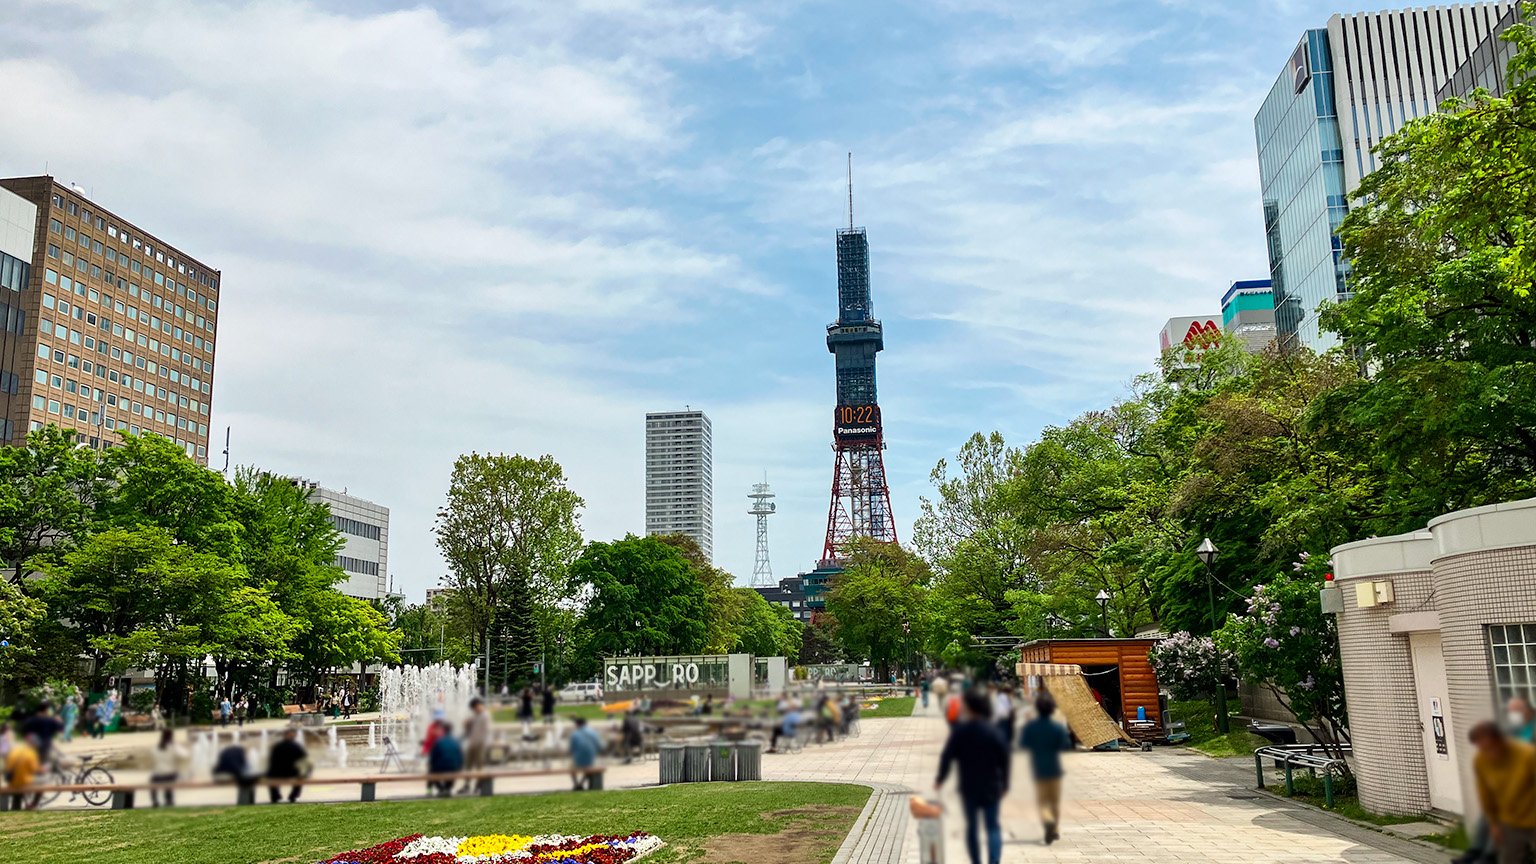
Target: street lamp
{"points": [[1052, 621], [559, 657], [642, 637], [1103, 599], [906, 628], [1206, 552]]}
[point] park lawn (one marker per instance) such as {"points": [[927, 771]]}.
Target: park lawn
{"points": [[891, 706], [589, 710], [727, 821], [1200, 722]]}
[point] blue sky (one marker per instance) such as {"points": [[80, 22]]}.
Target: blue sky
{"points": [[517, 226]]}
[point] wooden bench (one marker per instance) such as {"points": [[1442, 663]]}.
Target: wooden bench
{"points": [[123, 793]]}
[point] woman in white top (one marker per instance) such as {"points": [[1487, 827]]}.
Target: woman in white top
{"points": [[164, 767]]}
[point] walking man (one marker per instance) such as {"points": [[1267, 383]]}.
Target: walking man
{"points": [[477, 738], [1046, 740], [225, 709], [1506, 787], [976, 746]]}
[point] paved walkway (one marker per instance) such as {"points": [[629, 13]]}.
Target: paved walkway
{"points": [[1169, 805]]}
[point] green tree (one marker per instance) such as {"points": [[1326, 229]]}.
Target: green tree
{"points": [[819, 643], [49, 489], [643, 597], [509, 530], [766, 629], [724, 606], [20, 617], [877, 596], [156, 483]]}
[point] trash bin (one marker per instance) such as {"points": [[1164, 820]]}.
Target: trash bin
{"points": [[695, 763], [722, 761], [671, 758], [929, 816], [749, 760]]}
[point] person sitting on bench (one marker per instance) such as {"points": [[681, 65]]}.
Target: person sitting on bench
{"points": [[446, 757], [585, 745], [788, 727], [288, 760]]}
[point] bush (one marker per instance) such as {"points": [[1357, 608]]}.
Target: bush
{"points": [[1189, 666], [141, 701]]}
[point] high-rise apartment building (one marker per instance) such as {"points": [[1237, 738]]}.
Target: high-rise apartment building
{"points": [[680, 477], [105, 327], [1346, 87]]}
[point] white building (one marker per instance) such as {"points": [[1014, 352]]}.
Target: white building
{"points": [[680, 477], [364, 526]]}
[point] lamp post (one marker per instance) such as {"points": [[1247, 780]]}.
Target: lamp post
{"points": [[559, 657], [1052, 621], [1103, 599], [1206, 552], [906, 674], [641, 653]]}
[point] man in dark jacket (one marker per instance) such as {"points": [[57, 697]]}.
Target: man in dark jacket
{"points": [[976, 745], [284, 764], [1045, 740]]}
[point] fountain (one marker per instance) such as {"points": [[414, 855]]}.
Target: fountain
{"points": [[412, 696]]}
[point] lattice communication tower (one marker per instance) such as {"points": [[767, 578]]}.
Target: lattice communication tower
{"points": [[762, 508]]}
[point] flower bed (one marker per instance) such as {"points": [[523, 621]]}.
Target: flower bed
{"points": [[505, 849]]}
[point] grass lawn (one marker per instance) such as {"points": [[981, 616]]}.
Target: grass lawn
{"points": [[765, 823], [1200, 722], [589, 710], [891, 706], [1310, 790]]}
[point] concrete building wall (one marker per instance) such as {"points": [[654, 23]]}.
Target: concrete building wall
{"points": [[364, 528]]}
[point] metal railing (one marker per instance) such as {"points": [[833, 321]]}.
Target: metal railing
{"points": [[1309, 756]]}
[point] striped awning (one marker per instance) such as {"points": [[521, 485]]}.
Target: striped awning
{"points": [[1047, 669]]}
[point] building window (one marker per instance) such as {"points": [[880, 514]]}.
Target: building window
{"points": [[1514, 660]]}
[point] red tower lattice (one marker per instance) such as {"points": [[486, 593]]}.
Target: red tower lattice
{"points": [[861, 500]]}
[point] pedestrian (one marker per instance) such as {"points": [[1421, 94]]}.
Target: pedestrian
{"points": [[1003, 712], [548, 706], [346, 704], [952, 708], [633, 735], [445, 757], [434, 731], [708, 707], [71, 716], [165, 766], [1046, 740], [585, 745], [924, 686], [981, 754], [240, 711], [477, 738], [289, 761], [1522, 719], [42, 727], [21, 766], [1506, 787], [225, 710], [525, 711]]}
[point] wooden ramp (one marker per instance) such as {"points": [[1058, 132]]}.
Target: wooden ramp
{"points": [[1087, 720]]}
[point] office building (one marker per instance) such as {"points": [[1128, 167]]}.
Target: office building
{"points": [[437, 599], [789, 593], [1346, 87], [680, 477], [1248, 314], [1488, 67], [364, 528], [106, 327]]}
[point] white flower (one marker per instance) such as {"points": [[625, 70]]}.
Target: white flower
{"points": [[423, 846]]}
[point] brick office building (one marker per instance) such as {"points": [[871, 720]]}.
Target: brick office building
{"points": [[1437, 630], [103, 326]]}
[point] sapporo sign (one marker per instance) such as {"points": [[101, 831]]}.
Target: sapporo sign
{"points": [[664, 673]]}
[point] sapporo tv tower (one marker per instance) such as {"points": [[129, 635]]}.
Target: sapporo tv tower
{"points": [[861, 500]]}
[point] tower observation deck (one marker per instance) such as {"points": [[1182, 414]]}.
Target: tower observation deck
{"points": [[861, 499]]}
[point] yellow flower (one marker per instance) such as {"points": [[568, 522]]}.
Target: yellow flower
{"points": [[492, 844]]}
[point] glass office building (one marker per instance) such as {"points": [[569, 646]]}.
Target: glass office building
{"points": [[1346, 87], [1301, 171]]}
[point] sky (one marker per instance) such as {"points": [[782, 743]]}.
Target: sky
{"points": [[516, 226]]}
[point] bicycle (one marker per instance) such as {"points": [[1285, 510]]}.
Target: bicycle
{"points": [[89, 775]]}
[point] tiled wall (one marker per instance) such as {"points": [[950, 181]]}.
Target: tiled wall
{"points": [[1378, 676]]}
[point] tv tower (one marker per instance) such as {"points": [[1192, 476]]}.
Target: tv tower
{"points": [[861, 500], [762, 508]]}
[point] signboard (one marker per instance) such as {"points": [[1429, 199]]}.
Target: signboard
{"points": [[1301, 69], [1437, 725], [650, 674]]}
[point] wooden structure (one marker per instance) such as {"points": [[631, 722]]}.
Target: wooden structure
{"points": [[1115, 668]]}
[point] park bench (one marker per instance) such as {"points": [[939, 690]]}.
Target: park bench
{"points": [[1309, 756], [123, 793]]}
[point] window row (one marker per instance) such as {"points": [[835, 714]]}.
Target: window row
{"points": [[356, 528], [139, 385], [167, 305], [139, 244], [357, 565], [189, 446]]}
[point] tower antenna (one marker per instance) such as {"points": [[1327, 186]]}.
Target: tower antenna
{"points": [[762, 508], [850, 191]]}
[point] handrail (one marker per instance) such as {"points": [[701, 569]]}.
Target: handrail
{"points": [[1304, 755]]}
